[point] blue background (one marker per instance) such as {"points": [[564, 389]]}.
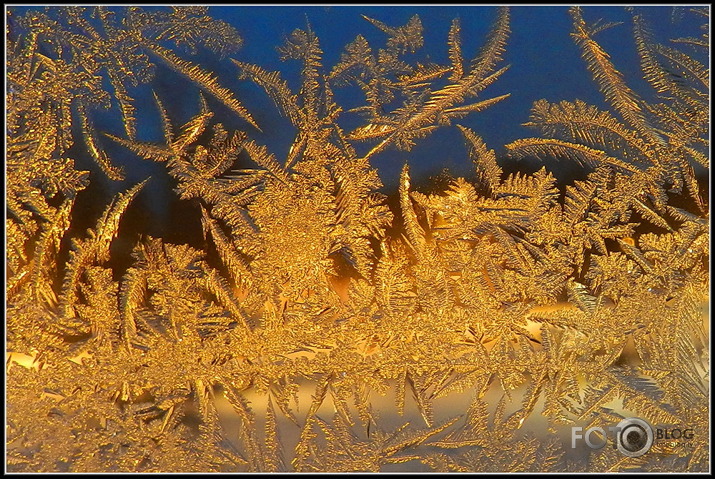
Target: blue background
{"points": [[545, 63]]}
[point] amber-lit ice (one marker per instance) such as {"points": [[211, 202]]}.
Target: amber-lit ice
{"points": [[318, 329]]}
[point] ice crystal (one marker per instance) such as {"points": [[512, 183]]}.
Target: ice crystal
{"points": [[540, 300]]}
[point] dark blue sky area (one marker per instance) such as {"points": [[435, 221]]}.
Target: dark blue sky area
{"points": [[545, 63]]}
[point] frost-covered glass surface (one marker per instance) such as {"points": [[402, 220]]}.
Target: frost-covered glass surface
{"points": [[357, 239]]}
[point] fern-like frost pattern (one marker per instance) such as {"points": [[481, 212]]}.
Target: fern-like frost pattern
{"points": [[313, 303]]}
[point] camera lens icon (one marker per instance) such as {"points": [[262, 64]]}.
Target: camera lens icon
{"points": [[634, 437]]}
